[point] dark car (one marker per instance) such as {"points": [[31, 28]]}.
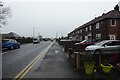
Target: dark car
{"points": [[10, 44], [80, 46]]}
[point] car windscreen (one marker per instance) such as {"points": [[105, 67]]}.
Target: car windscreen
{"points": [[34, 39], [83, 41], [100, 43]]}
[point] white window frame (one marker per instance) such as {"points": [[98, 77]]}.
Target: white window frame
{"points": [[112, 37], [97, 25], [90, 27], [86, 37], [80, 38], [112, 22], [86, 28], [98, 36]]}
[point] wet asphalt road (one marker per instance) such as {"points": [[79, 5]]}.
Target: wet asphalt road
{"points": [[15, 60]]}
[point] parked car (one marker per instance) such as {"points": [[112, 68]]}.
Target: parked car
{"points": [[106, 47], [80, 46], [85, 42], [105, 51], [10, 44]]}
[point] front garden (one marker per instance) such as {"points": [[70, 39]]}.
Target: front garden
{"points": [[106, 66]]}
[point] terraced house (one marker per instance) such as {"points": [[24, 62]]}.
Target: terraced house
{"points": [[104, 27]]}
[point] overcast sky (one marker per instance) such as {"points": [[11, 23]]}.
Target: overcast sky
{"points": [[53, 16]]}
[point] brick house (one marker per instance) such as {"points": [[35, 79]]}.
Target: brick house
{"points": [[104, 27]]}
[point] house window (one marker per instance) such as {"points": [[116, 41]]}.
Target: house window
{"points": [[98, 36], [97, 25], [80, 38], [77, 32], [81, 31], [86, 28], [86, 37], [112, 37], [90, 28], [72, 33], [113, 22]]}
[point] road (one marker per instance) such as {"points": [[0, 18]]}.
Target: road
{"points": [[15, 60]]}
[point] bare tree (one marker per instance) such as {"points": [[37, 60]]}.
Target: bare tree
{"points": [[5, 12]]}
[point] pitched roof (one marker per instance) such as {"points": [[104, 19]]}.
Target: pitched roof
{"points": [[11, 35], [113, 14]]}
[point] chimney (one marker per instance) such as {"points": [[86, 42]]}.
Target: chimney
{"points": [[116, 8]]}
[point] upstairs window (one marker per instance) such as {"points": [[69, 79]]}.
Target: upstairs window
{"points": [[78, 31], [90, 28], [86, 28], [97, 25], [113, 22], [81, 31]]}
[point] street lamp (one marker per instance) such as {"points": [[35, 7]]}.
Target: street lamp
{"points": [[1, 4]]}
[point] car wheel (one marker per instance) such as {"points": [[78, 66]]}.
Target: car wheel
{"points": [[18, 46], [97, 57], [97, 52], [11, 47]]}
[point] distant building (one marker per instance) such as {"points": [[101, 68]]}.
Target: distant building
{"points": [[10, 35], [104, 27]]}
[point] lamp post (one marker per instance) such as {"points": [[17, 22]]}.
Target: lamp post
{"points": [[33, 32], [1, 4]]}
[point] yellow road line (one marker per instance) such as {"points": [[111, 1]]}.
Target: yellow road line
{"points": [[30, 65], [26, 67], [30, 68]]}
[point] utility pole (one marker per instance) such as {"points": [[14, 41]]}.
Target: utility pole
{"points": [[33, 32], [1, 4], [56, 35]]}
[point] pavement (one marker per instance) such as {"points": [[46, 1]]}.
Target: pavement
{"points": [[56, 65]]}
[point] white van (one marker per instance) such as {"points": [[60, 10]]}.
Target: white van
{"points": [[35, 40]]}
